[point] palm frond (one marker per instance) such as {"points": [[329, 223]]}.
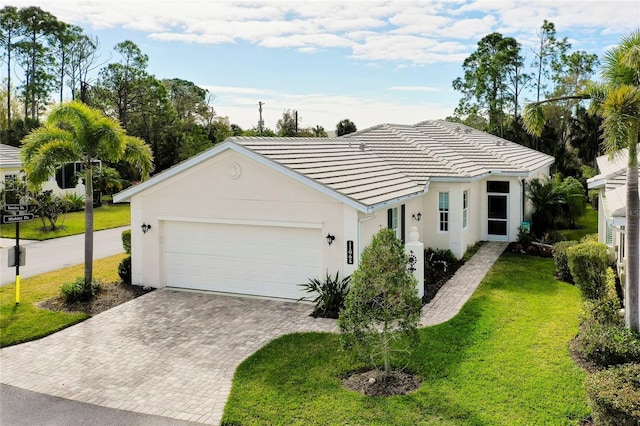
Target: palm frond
{"points": [[620, 109], [138, 153], [534, 119], [45, 150]]}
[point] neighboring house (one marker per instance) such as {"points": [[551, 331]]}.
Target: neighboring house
{"points": [[63, 182], [611, 184], [260, 216]]}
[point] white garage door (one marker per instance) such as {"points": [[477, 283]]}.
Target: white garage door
{"points": [[258, 260]]}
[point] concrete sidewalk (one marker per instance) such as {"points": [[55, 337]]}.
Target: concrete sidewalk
{"points": [[50, 255]]}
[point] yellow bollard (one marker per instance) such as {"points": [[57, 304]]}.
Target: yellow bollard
{"points": [[17, 289]]}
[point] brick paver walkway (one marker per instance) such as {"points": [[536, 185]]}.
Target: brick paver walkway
{"points": [[455, 293], [174, 353]]}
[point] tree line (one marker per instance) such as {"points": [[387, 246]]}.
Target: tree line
{"points": [[498, 79], [46, 60]]}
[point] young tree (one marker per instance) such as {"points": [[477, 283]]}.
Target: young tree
{"points": [[617, 100], [75, 132], [382, 309], [345, 127]]}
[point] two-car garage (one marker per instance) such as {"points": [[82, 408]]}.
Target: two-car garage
{"points": [[266, 259]]}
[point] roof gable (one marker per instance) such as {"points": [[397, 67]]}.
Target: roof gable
{"points": [[377, 166]]}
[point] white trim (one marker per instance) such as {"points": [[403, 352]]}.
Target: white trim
{"points": [[274, 223], [128, 193]]}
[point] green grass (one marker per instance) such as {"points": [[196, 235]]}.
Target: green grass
{"points": [[24, 322], [585, 225], [105, 217], [502, 360]]}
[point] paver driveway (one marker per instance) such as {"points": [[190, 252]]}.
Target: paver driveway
{"points": [[169, 353]]}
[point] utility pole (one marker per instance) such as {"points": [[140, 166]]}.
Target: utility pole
{"points": [[296, 111], [260, 122]]}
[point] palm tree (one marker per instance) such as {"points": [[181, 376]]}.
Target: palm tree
{"points": [[74, 132], [548, 203], [617, 100]]}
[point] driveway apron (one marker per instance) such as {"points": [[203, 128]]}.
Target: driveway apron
{"points": [[174, 353], [167, 353]]}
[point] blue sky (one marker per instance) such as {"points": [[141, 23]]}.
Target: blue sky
{"points": [[369, 61]]}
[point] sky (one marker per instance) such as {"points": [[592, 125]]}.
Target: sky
{"points": [[372, 62]]}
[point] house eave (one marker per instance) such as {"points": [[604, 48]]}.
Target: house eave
{"points": [[129, 193], [399, 200]]}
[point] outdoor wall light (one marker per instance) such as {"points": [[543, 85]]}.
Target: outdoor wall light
{"points": [[417, 216], [145, 228], [330, 238]]}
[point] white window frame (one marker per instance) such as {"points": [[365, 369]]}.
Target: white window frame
{"points": [[443, 211], [465, 209], [395, 220]]}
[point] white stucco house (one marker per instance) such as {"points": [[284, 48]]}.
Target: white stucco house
{"points": [[63, 182], [611, 183], [262, 215]]}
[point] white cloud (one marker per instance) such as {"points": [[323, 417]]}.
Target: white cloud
{"points": [[406, 31]]}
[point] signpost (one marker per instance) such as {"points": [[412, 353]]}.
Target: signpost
{"points": [[16, 214]]}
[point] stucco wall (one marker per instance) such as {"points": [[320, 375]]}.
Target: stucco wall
{"points": [[258, 194]]}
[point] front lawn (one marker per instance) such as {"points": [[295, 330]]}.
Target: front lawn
{"points": [[24, 322], [503, 359], [105, 217], [585, 225]]}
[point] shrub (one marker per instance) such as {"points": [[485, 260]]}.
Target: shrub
{"points": [[603, 338], [559, 251], [606, 344], [330, 294], [73, 202], [614, 396], [588, 265], [382, 308], [126, 240], [76, 291], [124, 270]]}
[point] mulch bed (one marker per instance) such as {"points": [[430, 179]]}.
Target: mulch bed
{"points": [[109, 296], [371, 383]]}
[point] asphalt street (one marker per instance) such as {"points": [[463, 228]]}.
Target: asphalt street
{"points": [[19, 407], [50, 255]]}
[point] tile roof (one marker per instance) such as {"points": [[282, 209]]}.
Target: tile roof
{"points": [[10, 156], [440, 149], [381, 164], [337, 163]]}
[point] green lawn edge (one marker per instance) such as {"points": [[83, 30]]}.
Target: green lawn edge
{"points": [[504, 359], [24, 322], [105, 217]]}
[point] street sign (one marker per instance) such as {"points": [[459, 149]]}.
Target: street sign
{"points": [[26, 217], [16, 207]]}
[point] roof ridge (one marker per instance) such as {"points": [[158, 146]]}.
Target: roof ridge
{"points": [[426, 150], [465, 136]]}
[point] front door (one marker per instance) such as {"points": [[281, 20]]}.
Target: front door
{"points": [[497, 210]]}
